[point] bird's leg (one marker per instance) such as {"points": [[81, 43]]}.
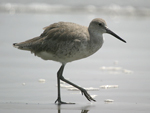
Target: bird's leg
{"points": [[83, 91], [59, 74]]}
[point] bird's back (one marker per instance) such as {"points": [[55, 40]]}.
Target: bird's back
{"points": [[56, 33], [62, 40]]}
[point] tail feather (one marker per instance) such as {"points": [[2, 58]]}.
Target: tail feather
{"points": [[27, 45], [15, 45], [21, 46]]}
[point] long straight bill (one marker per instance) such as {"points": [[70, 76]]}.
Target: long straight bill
{"points": [[115, 35]]}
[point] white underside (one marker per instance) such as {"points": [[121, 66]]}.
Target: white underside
{"points": [[63, 59], [45, 55], [49, 56]]}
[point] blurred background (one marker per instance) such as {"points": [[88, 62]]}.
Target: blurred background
{"points": [[109, 7], [20, 71]]}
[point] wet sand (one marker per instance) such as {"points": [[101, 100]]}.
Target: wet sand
{"points": [[124, 65]]}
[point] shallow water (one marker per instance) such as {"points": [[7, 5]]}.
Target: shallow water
{"points": [[20, 71]]}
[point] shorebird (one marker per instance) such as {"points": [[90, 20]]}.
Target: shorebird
{"points": [[65, 42]]}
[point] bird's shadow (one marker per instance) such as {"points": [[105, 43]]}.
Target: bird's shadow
{"points": [[84, 109]]}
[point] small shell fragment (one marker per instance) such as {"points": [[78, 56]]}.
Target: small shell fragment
{"points": [[23, 84], [66, 86], [116, 70], [109, 86], [111, 68], [92, 89], [42, 80], [88, 89], [93, 96], [127, 71], [108, 100], [73, 89]]}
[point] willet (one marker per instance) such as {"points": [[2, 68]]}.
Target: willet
{"points": [[65, 42]]}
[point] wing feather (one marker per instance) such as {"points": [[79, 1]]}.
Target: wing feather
{"points": [[55, 37]]}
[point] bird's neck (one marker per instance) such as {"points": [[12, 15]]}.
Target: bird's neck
{"points": [[96, 41]]}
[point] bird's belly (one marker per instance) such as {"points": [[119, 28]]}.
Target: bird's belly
{"points": [[60, 58], [50, 56], [63, 57], [45, 55]]}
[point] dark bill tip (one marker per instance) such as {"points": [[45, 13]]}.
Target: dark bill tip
{"points": [[115, 35]]}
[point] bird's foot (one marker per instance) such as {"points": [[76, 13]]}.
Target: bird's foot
{"points": [[83, 91], [59, 102]]}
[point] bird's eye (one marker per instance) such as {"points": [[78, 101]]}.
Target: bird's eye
{"points": [[100, 24]]}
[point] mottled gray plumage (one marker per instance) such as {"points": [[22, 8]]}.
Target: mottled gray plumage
{"points": [[65, 42]]}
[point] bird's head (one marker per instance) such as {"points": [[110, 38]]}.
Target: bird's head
{"points": [[98, 26]]}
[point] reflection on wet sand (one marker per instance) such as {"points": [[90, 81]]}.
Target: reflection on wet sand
{"points": [[84, 109]]}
